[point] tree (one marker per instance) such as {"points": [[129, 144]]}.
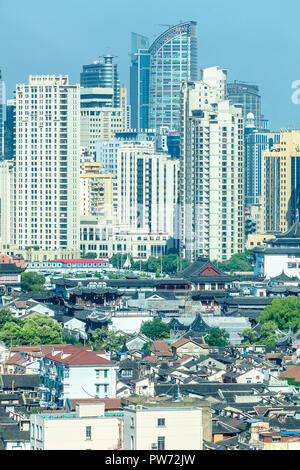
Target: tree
{"points": [[88, 255], [6, 316], [147, 346], [217, 337], [283, 312], [238, 262], [249, 336], [41, 329], [118, 260], [268, 334], [32, 282], [155, 329], [105, 339], [10, 334]]}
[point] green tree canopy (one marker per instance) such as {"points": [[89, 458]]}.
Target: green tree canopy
{"points": [[32, 282], [155, 329], [10, 334], [283, 312], [89, 255], [268, 335], [105, 339], [249, 336], [238, 262], [6, 316], [36, 329], [169, 264], [217, 337]]}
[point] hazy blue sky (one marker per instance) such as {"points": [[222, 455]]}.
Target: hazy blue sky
{"points": [[256, 41]]}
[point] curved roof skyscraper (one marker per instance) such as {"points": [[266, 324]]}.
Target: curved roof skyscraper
{"points": [[173, 61]]}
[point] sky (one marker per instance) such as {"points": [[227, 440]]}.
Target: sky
{"points": [[256, 41]]}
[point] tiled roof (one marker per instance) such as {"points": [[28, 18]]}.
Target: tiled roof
{"points": [[150, 359], [160, 346], [80, 357], [110, 403], [182, 341], [291, 372], [10, 268]]}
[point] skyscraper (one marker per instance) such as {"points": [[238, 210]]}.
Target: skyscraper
{"points": [[7, 202], [139, 82], [256, 141], [247, 96], [147, 188], [173, 61], [211, 170], [2, 115], [281, 183], [47, 163], [102, 75], [10, 130]]}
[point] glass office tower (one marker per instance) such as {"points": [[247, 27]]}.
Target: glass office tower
{"points": [[139, 82], [10, 130], [247, 96], [173, 61], [256, 141], [102, 75]]}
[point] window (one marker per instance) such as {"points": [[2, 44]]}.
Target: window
{"points": [[161, 422], [161, 443], [88, 433]]}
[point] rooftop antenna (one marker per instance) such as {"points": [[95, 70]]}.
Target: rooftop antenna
{"points": [[160, 24]]}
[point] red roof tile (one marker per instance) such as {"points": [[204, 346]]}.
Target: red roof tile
{"points": [[80, 358], [161, 346], [83, 260]]}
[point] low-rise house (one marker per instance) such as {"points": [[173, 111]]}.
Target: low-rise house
{"points": [[27, 384], [136, 341], [89, 428], [12, 438], [185, 346], [20, 363], [123, 390], [159, 428], [292, 375], [226, 428], [128, 370], [75, 328], [111, 405], [284, 440], [250, 376], [77, 372]]}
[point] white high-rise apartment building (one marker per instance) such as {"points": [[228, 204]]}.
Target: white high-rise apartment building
{"points": [[47, 163], [99, 120], [7, 201], [147, 188], [211, 171]]}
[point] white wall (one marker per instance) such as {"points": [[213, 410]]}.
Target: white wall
{"points": [[182, 430], [82, 381]]}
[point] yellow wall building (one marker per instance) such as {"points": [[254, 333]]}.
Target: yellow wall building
{"points": [[281, 183], [96, 191]]}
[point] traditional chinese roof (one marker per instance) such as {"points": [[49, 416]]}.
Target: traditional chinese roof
{"points": [[10, 268], [283, 277], [202, 266]]}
